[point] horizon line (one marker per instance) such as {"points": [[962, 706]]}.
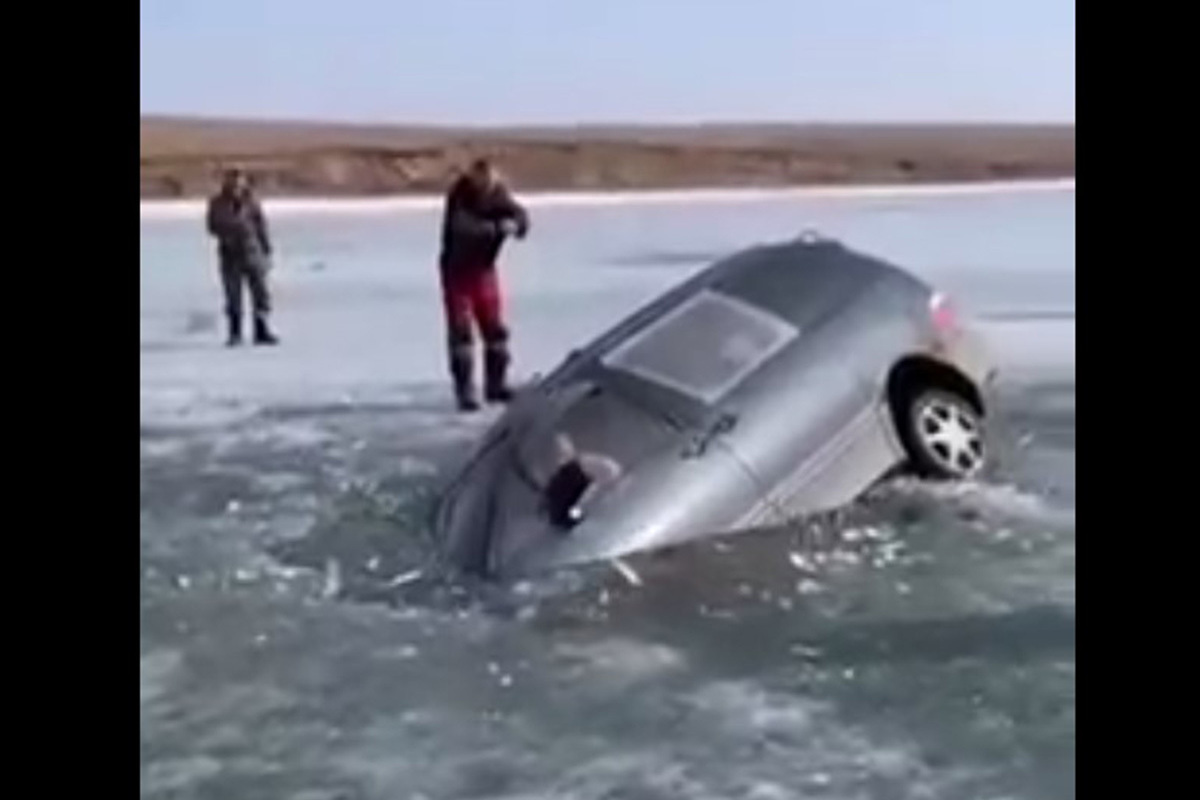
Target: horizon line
{"points": [[157, 116], [186, 208]]}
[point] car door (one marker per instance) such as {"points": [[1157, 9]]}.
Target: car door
{"points": [[804, 421]]}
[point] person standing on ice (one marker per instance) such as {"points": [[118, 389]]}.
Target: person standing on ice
{"points": [[237, 222], [480, 214]]}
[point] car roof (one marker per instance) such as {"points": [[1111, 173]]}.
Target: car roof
{"points": [[800, 281]]}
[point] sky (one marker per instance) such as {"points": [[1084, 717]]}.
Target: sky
{"points": [[501, 62]]}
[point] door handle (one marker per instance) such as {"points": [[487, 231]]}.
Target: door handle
{"points": [[720, 426]]}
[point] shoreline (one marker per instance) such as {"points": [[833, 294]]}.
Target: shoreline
{"points": [[181, 158], [193, 208]]}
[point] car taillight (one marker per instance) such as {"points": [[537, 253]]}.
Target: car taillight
{"points": [[942, 312]]}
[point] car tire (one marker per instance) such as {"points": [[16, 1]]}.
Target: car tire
{"points": [[943, 434]]}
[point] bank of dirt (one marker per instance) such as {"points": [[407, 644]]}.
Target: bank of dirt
{"points": [[181, 157]]}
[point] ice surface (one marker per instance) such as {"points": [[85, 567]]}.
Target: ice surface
{"points": [[360, 317], [919, 644]]}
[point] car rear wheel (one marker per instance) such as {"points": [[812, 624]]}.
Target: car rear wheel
{"points": [[943, 435]]}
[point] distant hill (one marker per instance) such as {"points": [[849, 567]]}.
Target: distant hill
{"points": [[181, 157]]}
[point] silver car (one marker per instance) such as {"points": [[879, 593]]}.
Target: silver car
{"points": [[781, 381]]}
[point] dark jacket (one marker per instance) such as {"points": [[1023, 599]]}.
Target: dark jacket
{"points": [[471, 234], [240, 228]]}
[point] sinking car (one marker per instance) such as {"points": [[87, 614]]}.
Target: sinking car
{"points": [[781, 381]]}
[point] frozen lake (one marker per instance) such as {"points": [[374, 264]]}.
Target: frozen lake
{"points": [[920, 645], [359, 307]]}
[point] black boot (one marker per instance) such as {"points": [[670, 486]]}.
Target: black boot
{"points": [[262, 333], [462, 370], [466, 401], [234, 322], [495, 368]]}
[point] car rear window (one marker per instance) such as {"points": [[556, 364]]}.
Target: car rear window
{"points": [[704, 347]]}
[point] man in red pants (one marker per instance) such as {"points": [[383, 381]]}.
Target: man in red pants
{"points": [[480, 214]]}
